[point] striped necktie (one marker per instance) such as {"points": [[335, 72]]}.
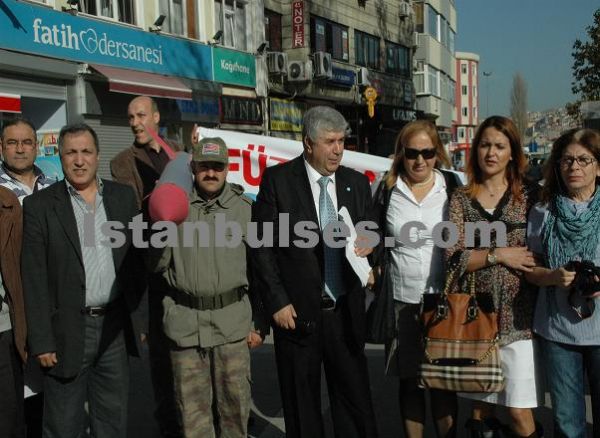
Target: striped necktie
{"points": [[332, 256]]}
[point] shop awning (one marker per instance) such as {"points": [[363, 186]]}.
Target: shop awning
{"points": [[10, 103], [139, 82]]}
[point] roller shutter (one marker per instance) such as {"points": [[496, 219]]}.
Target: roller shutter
{"points": [[114, 136]]}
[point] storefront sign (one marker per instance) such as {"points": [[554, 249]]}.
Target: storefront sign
{"points": [[203, 109], [233, 67], [286, 115], [241, 111], [35, 29], [297, 24], [393, 114], [342, 77]]}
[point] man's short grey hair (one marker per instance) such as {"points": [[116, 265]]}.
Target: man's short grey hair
{"points": [[323, 118]]}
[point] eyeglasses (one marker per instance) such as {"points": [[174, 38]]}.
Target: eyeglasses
{"points": [[413, 154], [12, 143], [583, 161]]}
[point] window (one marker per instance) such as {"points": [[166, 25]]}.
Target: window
{"points": [[397, 59], [443, 31], [432, 75], [327, 36], [367, 50], [432, 22], [451, 38], [418, 7], [461, 133], [464, 90], [474, 92], [231, 19], [463, 68], [273, 30], [174, 10], [121, 10], [465, 111], [474, 112]]}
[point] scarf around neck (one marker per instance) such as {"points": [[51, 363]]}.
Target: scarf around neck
{"points": [[570, 234]]}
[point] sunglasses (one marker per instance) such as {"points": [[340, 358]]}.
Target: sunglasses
{"points": [[413, 154]]}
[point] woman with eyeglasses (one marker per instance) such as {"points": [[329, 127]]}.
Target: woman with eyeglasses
{"points": [[496, 192], [565, 228], [414, 189]]}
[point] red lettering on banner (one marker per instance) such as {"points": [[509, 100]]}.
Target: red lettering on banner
{"points": [[298, 24], [234, 153], [247, 165]]}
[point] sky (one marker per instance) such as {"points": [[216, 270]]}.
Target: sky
{"points": [[533, 37]]}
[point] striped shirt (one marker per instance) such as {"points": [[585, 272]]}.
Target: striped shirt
{"points": [[18, 188], [98, 264], [554, 318]]}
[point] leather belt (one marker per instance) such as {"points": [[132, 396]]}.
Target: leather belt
{"points": [[95, 311], [214, 302]]}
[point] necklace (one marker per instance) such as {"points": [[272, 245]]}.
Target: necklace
{"points": [[495, 192], [421, 184]]}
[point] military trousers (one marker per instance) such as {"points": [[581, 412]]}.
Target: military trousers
{"points": [[212, 389]]}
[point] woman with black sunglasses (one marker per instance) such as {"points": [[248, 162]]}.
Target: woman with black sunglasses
{"points": [[563, 230], [414, 189], [496, 192]]}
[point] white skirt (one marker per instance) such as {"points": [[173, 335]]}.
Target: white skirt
{"points": [[522, 383]]}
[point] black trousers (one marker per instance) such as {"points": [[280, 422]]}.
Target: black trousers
{"points": [[299, 370], [12, 422]]}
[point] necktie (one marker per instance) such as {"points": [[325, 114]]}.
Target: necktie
{"points": [[332, 256]]}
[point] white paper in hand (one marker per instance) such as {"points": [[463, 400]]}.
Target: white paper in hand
{"points": [[360, 265]]}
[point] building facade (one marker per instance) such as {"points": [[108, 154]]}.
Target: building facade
{"points": [[435, 74], [467, 106], [61, 63], [332, 53]]}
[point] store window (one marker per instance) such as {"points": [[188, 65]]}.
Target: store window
{"points": [[232, 20], [397, 59], [273, 30], [327, 36], [120, 10], [367, 49], [174, 10]]}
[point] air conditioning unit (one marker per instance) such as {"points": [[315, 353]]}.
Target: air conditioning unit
{"points": [[298, 71], [405, 10], [322, 63], [415, 39], [362, 77], [277, 63]]}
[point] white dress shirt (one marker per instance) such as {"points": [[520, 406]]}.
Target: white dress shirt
{"points": [[315, 188], [415, 271]]}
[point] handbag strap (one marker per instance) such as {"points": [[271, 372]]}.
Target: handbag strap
{"points": [[442, 307]]}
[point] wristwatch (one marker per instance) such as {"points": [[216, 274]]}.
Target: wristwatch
{"points": [[491, 257]]}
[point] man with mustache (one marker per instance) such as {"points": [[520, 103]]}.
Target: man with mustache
{"points": [[140, 166], [208, 305], [80, 293]]}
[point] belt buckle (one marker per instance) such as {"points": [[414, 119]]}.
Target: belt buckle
{"points": [[94, 311], [327, 303]]}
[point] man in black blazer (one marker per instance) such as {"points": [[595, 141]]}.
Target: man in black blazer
{"points": [[315, 298], [79, 292]]}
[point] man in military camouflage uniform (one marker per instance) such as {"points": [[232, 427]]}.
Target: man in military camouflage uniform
{"points": [[207, 311]]}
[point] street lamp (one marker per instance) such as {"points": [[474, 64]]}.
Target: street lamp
{"points": [[487, 74]]}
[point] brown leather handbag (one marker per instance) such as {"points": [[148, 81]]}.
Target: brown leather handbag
{"points": [[461, 340]]}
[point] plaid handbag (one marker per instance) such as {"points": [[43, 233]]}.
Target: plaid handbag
{"points": [[461, 340]]}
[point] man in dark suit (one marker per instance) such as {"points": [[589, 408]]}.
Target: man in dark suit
{"points": [[79, 292], [315, 298]]}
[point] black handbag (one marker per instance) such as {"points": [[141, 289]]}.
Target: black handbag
{"points": [[380, 314]]}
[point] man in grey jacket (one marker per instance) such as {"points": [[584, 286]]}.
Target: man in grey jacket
{"points": [[208, 308]]}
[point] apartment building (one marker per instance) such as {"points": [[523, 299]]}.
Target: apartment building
{"points": [[467, 106], [435, 74], [331, 53]]}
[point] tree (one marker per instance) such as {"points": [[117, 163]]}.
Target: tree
{"points": [[586, 63], [586, 69], [518, 103]]}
